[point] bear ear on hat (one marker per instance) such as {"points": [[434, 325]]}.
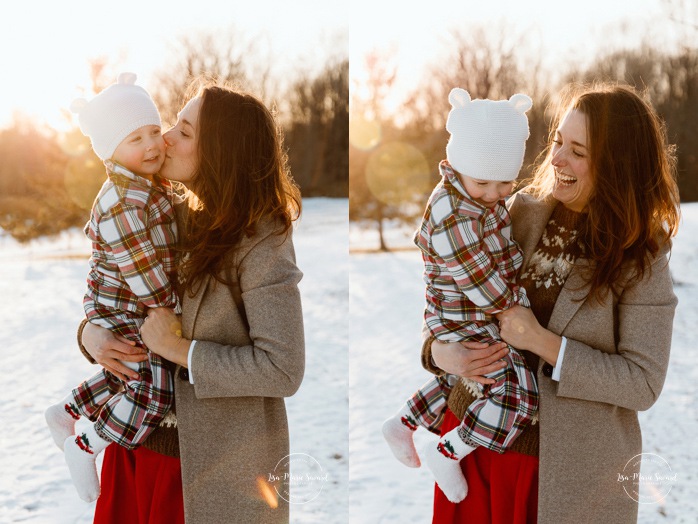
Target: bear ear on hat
{"points": [[126, 78], [521, 102], [458, 97], [77, 105]]}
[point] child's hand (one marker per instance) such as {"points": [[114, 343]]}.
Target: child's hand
{"points": [[472, 360]]}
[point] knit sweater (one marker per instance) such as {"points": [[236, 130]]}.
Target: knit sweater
{"points": [[543, 279]]}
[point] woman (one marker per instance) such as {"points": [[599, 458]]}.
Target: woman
{"points": [[595, 227], [239, 348]]}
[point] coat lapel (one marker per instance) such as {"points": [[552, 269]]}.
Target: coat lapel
{"points": [[190, 305], [190, 308], [572, 296]]}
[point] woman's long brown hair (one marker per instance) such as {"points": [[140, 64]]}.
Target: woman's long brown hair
{"points": [[241, 180], [634, 207]]}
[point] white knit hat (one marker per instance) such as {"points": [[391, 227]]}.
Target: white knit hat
{"points": [[488, 137], [115, 113]]}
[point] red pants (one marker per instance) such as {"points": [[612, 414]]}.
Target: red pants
{"points": [[139, 487], [502, 488]]}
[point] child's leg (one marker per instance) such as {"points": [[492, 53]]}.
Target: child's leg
{"points": [[129, 418], [85, 400], [493, 421], [506, 408], [425, 408], [81, 454]]}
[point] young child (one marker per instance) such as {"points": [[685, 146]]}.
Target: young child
{"points": [[133, 231], [470, 269]]}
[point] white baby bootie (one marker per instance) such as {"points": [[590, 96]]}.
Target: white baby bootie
{"points": [[398, 432], [61, 420], [444, 462], [81, 454]]}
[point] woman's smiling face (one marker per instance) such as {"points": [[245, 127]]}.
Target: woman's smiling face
{"points": [[570, 158], [181, 157]]}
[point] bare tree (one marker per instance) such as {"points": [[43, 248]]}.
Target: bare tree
{"points": [[225, 57], [318, 130], [368, 103]]}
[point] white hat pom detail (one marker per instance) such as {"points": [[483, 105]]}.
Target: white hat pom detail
{"points": [[458, 97], [521, 102], [126, 78]]}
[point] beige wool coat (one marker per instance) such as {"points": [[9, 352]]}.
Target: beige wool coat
{"points": [[614, 365], [232, 421]]}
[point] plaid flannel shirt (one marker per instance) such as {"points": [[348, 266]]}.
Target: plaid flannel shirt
{"points": [[470, 262], [133, 230], [133, 263], [470, 268]]}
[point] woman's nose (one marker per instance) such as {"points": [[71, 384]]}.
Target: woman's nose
{"points": [[558, 158], [167, 138]]}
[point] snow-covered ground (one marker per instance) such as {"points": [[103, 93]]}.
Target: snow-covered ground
{"points": [[40, 307], [386, 297], [40, 286]]}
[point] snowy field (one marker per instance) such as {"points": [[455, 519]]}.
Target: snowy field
{"points": [[41, 286], [386, 300]]}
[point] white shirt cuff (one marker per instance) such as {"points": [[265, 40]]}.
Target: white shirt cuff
{"points": [[556, 370], [191, 351]]}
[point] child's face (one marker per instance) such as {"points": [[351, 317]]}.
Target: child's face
{"points": [[486, 192], [142, 152]]}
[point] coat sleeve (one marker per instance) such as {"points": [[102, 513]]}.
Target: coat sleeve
{"points": [[273, 364], [633, 377]]}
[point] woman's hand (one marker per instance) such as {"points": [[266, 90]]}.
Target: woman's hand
{"points": [[108, 349], [519, 327], [162, 334], [472, 360]]}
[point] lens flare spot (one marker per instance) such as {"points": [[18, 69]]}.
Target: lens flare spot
{"points": [[397, 173]]}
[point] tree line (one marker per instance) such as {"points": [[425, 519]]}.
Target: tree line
{"points": [[48, 180]]}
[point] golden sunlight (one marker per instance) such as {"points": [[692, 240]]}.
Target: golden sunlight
{"points": [[395, 170], [267, 492]]}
